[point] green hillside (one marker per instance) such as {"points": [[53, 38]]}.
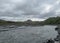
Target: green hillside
{"points": [[49, 21]]}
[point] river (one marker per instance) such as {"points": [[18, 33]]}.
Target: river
{"points": [[27, 34]]}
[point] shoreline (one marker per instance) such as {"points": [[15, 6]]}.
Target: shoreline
{"points": [[57, 39]]}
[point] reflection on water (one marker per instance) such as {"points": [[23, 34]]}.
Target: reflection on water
{"points": [[27, 34]]}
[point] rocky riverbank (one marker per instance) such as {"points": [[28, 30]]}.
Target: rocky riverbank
{"points": [[58, 36], [57, 39]]}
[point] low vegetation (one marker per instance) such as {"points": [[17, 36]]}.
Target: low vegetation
{"points": [[53, 20], [49, 21]]}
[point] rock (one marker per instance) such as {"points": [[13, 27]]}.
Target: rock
{"points": [[56, 28], [50, 41], [56, 41]]}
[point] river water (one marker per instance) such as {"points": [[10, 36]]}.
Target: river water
{"points": [[27, 34]]}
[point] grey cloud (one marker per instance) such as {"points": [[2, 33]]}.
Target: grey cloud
{"points": [[28, 8]]}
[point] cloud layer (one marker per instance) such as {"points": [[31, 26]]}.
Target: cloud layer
{"points": [[20, 10]]}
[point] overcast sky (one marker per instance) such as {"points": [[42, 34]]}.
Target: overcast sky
{"points": [[20, 10]]}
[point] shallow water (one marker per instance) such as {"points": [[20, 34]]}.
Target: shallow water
{"points": [[27, 34]]}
